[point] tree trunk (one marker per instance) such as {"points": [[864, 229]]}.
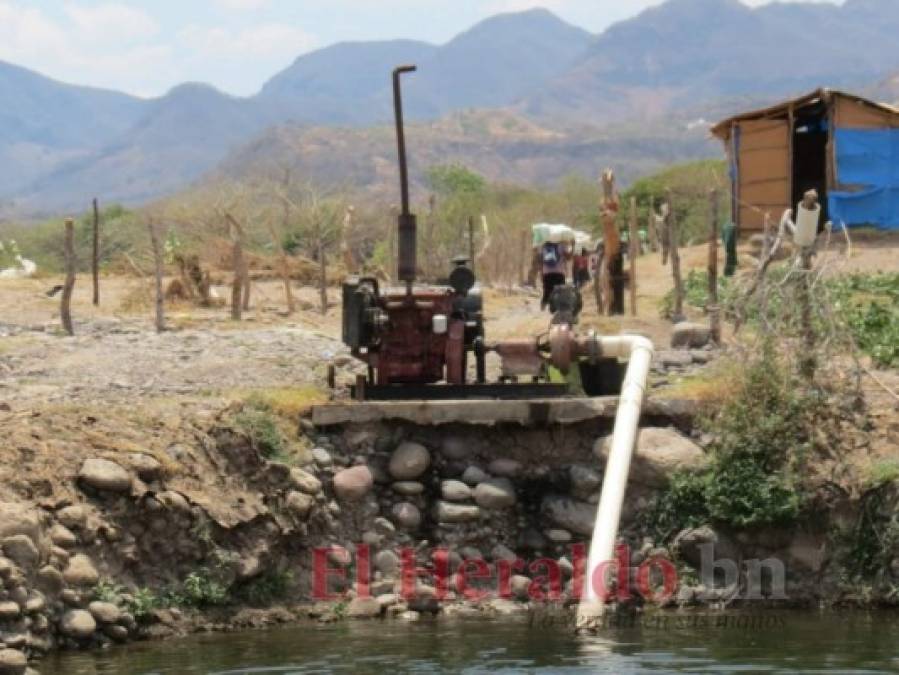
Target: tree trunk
{"points": [[158, 272], [664, 223], [95, 257], [238, 264], [807, 363], [633, 254], [471, 241], [284, 264], [245, 284], [611, 239], [713, 308], [322, 274], [65, 306], [673, 243], [652, 227], [349, 260]]}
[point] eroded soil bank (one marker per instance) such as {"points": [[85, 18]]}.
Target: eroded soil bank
{"points": [[196, 529]]}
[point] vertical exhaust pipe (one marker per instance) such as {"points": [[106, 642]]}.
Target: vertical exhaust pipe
{"points": [[406, 258]]}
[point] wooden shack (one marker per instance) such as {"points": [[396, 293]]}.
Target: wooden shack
{"points": [[842, 145]]}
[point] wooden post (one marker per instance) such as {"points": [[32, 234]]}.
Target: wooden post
{"points": [[808, 362], [524, 250], [713, 308], [663, 223], [611, 238], [651, 226], [283, 261], [471, 241], [158, 273], [633, 253], [238, 265], [65, 306], [349, 260], [673, 243], [95, 257], [322, 272], [284, 264], [245, 280]]}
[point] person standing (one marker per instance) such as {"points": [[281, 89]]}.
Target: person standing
{"points": [[581, 268], [553, 258]]}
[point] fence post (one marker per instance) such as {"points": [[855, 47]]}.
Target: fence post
{"points": [[674, 243], [65, 307], [633, 253], [238, 265], [158, 269], [713, 308], [95, 258]]}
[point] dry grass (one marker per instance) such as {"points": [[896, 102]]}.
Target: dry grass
{"points": [[711, 387], [288, 402]]}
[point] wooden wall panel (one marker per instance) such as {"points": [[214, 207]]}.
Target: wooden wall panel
{"points": [[765, 171], [851, 114]]}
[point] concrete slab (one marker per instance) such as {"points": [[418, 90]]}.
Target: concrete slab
{"points": [[488, 413]]}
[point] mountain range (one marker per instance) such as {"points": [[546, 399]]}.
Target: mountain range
{"points": [[633, 89]]}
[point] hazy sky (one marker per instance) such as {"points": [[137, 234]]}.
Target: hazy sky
{"points": [[147, 47]]}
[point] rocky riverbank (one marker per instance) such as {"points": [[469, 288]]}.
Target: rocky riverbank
{"points": [[204, 532]]}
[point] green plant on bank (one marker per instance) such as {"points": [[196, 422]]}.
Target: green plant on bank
{"points": [[108, 591], [869, 305], [200, 589], [258, 422], [883, 472], [862, 309], [873, 542], [762, 437], [139, 603], [142, 603], [269, 587]]}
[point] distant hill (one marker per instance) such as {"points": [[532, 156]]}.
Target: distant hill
{"points": [[344, 84], [44, 122], [686, 52], [500, 145], [178, 138], [683, 60]]}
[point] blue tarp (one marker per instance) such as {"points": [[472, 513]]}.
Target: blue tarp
{"points": [[867, 160]]}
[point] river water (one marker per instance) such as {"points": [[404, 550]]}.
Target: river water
{"points": [[768, 643]]}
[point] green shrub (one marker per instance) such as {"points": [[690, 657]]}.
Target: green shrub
{"points": [[874, 540], [869, 305], [762, 437], [689, 184], [741, 494], [142, 602], [269, 587], [199, 589], [860, 308], [683, 504], [260, 425], [108, 591]]}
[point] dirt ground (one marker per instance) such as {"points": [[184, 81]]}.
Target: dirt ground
{"points": [[207, 360], [116, 353]]}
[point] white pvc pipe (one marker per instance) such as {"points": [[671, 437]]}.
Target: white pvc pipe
{"points": [[638, 350]]}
